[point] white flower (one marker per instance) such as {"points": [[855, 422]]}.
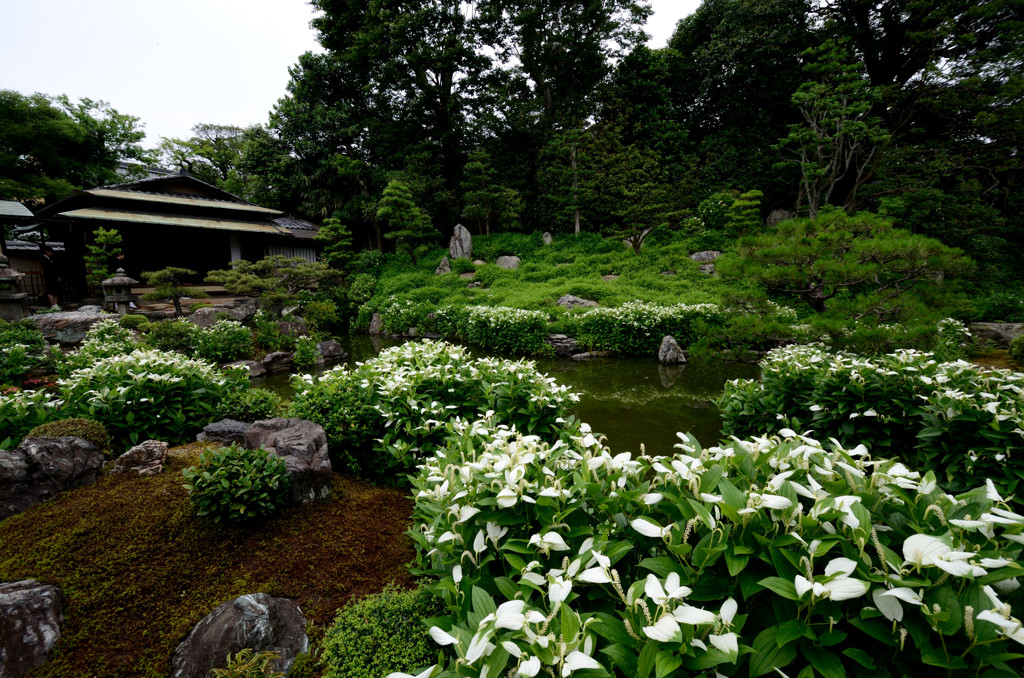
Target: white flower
{"points": [[673, 590], [441, 637], [558, 589], [664, 630], [425, 674], [595, 575], [727, 643], [550, 541], [577, 660], [510, 615], [528, 668], [694, 616], [457, 573], [649, 528]]}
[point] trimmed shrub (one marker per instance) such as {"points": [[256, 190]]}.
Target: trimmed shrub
{"points": [[224, 341], [637, 328], [381, 634], [235, 484], [133, 321], [172, 335], [149, 395], [93, 431], [507, 330], [307, 354], [251, 404], [404, 396], [1017, 351]]}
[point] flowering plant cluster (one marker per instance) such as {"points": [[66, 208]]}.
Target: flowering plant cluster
{"points": [[637, 328], [149, 394], [104, 339], [507, 330], [770, 554], [23, 410], [953, 417], [22, 347], [953, 340], [415, 388]]}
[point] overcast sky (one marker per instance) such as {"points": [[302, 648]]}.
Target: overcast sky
{"points": [[175, 64]]}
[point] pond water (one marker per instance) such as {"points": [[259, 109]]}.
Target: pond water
{"points": [[630, 401]]}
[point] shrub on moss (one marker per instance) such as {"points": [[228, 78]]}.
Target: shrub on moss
{"points": [[1017, 351], [224, 341], [172, 335], [78, 427], [381, 634], [235, 484], [133, 321], [251, 404]]}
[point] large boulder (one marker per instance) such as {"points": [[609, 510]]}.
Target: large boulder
{"points": [[444, 267], [145, 459], [30, 619], [572, 301], [255, 621], [461, 244], [331, 350], [241, 310], [225, 431], [547, 238], [255, 367], [669, 353], [41, 468], [705, 256], [376, 325], [998, 333], [303, 446], [508, 261], [68, 327], [564, 345], [278, 361]]}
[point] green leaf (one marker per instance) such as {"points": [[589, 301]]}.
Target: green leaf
{"points": [[647, 657], [624, 657], [860, 656], [789, 631], [767, 655], [782, 587], [666, 662], [824, 662], [482, 603]]}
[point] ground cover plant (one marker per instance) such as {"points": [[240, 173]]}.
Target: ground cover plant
{"points": [[138, 570], [403, 397], [763, 554], [234, 484], [960, 420]]}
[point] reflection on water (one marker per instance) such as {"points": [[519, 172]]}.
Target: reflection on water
{"points": [[630, 401]]}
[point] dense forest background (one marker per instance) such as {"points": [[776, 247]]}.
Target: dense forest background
{"points": [[550, 115]]}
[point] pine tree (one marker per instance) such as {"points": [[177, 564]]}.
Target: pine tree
{"points": [[408, 225]]}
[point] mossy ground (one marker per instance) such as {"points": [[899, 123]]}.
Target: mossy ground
{"points": [[138, 570]]}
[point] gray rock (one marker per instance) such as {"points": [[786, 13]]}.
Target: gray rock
{"points": [[412, 332], [479, 262], [331, 350], [31, 615], [707, 269], [90, 308], [564, 345], [41, 468], [706, 255], [256, 368], [461, 244], [473, 285], [775, 216], [669, 353], [376, 324], [146, 459], [303, 446], [508, 261], [998, 333], [547, 238], [571, 301], [593, 355], [444, 267], [467, 276], [225, 431], [256, 621], [669, 272], [609, 277], [241, 310], [278, 361], [293, 328], [67, 327]]}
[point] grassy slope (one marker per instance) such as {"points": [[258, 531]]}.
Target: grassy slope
{"points": [[570, 265], [138, 570]]}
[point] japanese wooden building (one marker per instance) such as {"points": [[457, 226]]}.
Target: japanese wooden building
{"points": [[173, 220]]}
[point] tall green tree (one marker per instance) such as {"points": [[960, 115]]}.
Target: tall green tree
{"points": [[407, 224], [51, 146], [487, 201], [212, 153]]}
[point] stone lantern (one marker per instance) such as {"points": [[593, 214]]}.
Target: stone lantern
{"points": [[13, 302], [117, 292]]}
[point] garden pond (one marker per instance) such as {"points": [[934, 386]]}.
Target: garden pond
{"points": [[632, 401]]}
